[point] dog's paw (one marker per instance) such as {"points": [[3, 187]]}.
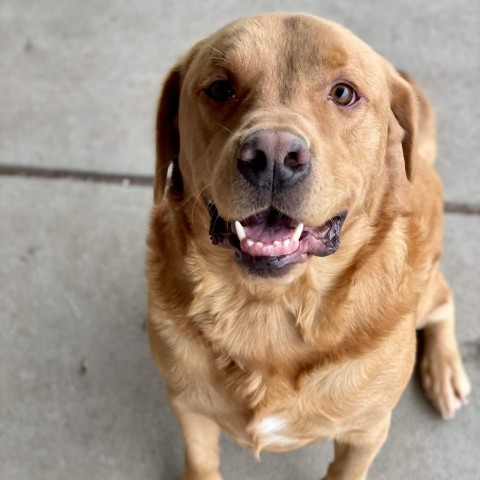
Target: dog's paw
{"points": [[444, 380]]}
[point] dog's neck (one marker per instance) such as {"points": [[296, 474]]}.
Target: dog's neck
{"points": [[228, 304], [288, 328]]}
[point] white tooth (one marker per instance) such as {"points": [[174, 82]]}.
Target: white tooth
{"points": [[259, 244], [298, 231], [277, 242], [250, 242], [240, 230], [286, 242]]}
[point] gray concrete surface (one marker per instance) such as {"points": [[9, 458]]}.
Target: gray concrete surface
{"points": [[80, 79], [79, 397]]}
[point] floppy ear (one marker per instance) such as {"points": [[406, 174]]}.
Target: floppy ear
{"points": [[403, 103], [167, 135]]}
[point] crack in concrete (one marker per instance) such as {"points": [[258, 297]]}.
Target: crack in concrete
{"points": [[147, 181], [79, 175]]}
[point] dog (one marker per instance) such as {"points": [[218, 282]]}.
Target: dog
{"points": [[294, 245]]}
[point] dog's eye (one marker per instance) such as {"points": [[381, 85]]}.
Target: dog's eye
{"points": [[220, 91], [343, 95]]}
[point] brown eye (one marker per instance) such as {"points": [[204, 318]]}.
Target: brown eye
{"points": [[343, 95], [220, 91]]}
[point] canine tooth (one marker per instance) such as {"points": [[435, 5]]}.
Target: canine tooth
{"points": [[240, 230], [298, 231], [250, 243], [286, 242]]}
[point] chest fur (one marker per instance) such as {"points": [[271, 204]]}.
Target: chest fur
{"points": [[278, 410], [280, 372]]}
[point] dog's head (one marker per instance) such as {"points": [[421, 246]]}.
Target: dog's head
{"points": [[278, 125]]}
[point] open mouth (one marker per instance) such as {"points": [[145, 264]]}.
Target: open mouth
{"points": [[269, 243]]}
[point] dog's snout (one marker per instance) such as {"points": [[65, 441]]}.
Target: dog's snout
{"points": [[273, 159]]}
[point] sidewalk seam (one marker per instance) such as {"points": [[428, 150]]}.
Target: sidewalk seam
{"points": [[79, 175], [147, 181]]}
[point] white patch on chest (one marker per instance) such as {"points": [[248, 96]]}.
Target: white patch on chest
{"points": [[269, 431]]}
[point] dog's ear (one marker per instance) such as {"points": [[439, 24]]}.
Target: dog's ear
{"points": [[167, 135], [403, 103]]}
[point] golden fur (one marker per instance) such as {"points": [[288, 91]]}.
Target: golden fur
{"points": [[325, 350]]}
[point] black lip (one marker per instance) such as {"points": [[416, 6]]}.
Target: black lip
{"points": [[332, 238], [268, 266], [219, 228]]}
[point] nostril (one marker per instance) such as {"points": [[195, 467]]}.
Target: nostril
{"points": [[254, 164], [297, 158], [259, 162], [254, 159], [292, 160]]}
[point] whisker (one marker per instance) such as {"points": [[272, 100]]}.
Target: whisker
{"points": [[218, 51], [224, 127], [198, 198], [183, 203], [220, 59]]}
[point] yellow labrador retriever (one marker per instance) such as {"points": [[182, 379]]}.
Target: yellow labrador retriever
{"points": [[294, 247]]}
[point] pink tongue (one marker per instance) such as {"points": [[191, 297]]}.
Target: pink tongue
{"points": [[271, 241]]}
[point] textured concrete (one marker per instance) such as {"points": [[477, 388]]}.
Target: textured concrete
{"points": [[79, 397], [80, 80]]}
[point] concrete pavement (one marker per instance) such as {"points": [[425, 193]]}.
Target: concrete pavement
{"points": [[79, 397]]}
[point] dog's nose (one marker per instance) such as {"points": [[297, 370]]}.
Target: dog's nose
{"points": [[274, 159]]}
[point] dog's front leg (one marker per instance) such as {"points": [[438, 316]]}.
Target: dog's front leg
{"points": [[355, 451], [441, 369], [201, 435]]}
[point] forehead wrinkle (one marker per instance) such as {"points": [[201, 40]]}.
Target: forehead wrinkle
{"points": [[296, 58], [247, 52], [246, 47]]}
